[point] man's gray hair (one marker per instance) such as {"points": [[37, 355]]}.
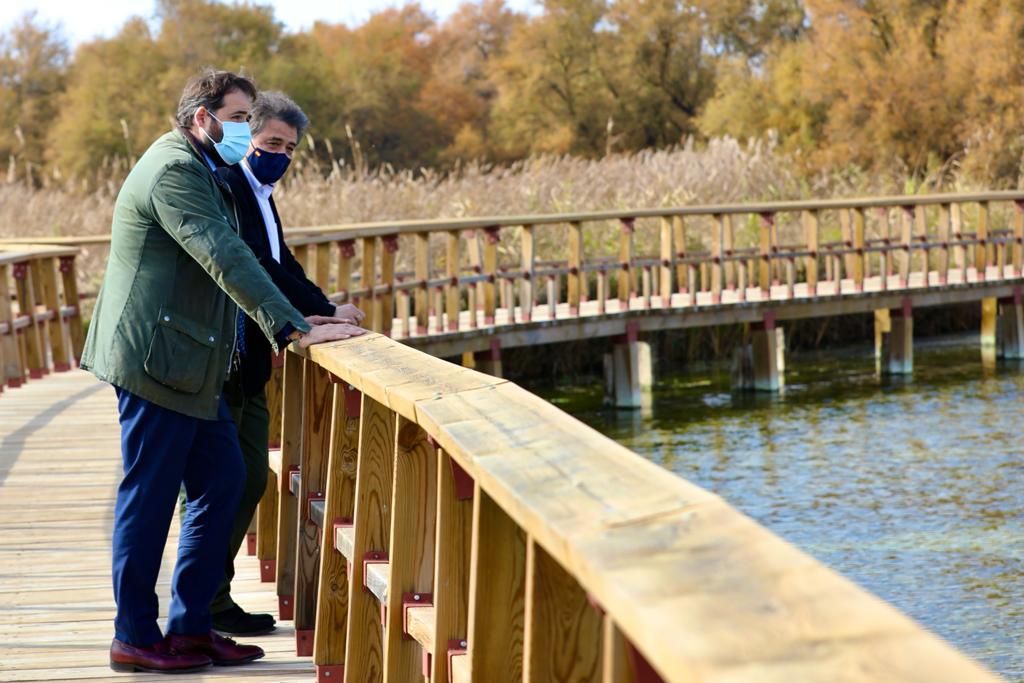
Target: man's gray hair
{"points": [[276, 105]]}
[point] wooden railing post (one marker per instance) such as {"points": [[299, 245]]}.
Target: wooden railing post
{"points": [[55, 325], [288, 508], [387, 278], [301, 253], [717, 255], [943, 235], [490, 265], [317, 412], [527, 293], [764, 279], [35, 350], [323, 266], [339, 508], [372, 525], [452, 287], [957, 226], [12, 372], [562, 639], [411, 554], [921, 237], [452, 563], [728, 246], [665, 288], [422, 268], [367, 283], [981, 249], [69, 284], [627, 272], [810, 219], [1018, 238], [906, 238], [496, 594], [682, 270], [860, 263], [346, 254], [575, 267]]}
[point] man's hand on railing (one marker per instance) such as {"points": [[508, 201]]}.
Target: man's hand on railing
{"points": [[326, 332], [349, 313]]}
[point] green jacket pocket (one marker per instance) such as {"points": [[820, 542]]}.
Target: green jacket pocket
{"points": [[179, 354]]}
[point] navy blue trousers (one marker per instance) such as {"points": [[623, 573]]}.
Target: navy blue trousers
{"points": [[163, 449]]}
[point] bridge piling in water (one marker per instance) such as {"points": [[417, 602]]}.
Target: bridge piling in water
{"points": [[628, 372], [1010, 328], [898, 342]]}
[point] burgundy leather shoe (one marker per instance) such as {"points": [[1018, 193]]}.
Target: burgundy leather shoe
{"points": [[160, 657], [223, 651]]}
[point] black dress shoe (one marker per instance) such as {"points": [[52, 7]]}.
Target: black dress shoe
{"points": [[237, 622]]}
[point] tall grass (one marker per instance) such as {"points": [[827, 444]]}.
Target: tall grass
{"points": [[317, 193]]}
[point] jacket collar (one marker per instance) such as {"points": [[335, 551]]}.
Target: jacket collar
{"points": [[201, 155]]}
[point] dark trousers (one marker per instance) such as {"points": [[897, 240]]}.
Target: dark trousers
{"points": [[163, 449], [253, 423]]}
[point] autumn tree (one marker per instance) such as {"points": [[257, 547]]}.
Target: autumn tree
{"points": [[33, 63]]}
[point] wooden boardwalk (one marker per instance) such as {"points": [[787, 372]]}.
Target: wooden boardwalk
{"points": [[59, 469]]}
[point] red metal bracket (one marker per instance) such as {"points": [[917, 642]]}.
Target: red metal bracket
{"points": [[390, 243], [493, 234], [327, 673], [20, 270], [462, 482], [628, 225], [456, 646], [66, 264], [353, 401], [347, 248], [286, 607], [413, 600], [767, 218], [277, 359], [304, 642], [268, 571], [767, 323], [250, 543]]}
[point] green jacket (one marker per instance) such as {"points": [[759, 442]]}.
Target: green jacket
{"points": [[164, 325]]}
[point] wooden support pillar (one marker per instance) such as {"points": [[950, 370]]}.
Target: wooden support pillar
{"points": [[627, 274], [35, 348], [665, 273], [492, 237], [989, 311], [527, 289], [1010, 328], [368, 282], [387, 277], [898, 343], [628, 371], [489, 361], [764, 277], [422, 268], [982, 249]]}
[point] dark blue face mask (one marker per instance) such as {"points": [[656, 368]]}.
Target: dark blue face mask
{"points": [[268, 167]]}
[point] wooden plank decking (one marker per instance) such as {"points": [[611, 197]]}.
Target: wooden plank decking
{"points": [[59, 469]]}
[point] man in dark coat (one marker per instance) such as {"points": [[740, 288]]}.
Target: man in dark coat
{"points": [[277, 125]]}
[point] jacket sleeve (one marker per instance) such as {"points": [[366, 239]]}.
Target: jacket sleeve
{"points": [[303, 294], [184, 204]]}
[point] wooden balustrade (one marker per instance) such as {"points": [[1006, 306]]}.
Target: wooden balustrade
{"points": [[435, 523], [40, 324], [479, 272], [906, 242]]}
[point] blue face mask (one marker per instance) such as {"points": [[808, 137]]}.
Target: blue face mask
{"points": [[234, 142], [267, 167]]}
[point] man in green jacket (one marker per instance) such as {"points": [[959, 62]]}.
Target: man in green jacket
{"points": [[164, 334]]}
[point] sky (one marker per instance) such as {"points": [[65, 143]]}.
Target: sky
{"points": [[83, 21]]}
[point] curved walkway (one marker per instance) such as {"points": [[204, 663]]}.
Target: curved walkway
{"points": [[59, 469]]}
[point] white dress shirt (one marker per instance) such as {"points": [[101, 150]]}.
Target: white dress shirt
{"points": [[262, 193]]}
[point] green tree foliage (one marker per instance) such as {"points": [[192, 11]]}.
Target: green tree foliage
{"points": [[915, 84], [33, 69]]}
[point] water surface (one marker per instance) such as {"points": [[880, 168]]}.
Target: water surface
{"points": [[913, 489]]}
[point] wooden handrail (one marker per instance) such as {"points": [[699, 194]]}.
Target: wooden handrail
{"points": [[466, 515]]}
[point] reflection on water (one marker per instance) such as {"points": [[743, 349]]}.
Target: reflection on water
{"points": [[912, 488]]}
